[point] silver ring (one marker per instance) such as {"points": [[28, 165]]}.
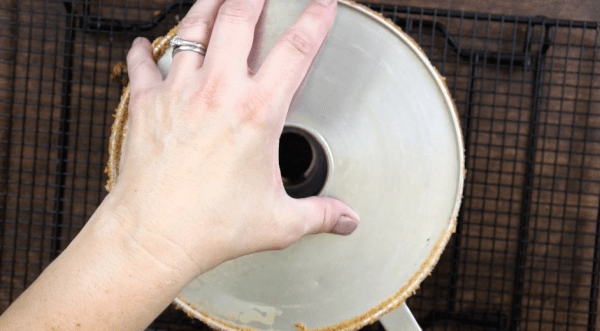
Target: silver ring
{"points": [[179, 45]]}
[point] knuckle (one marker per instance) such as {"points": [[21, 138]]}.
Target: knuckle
{"points": [[170, 92], [237, 10], [137, 100], [136, 65], [326, 226], [211, 92], [195, 21], [253, 108], [136, 58], [299, 42], [139, 95]]}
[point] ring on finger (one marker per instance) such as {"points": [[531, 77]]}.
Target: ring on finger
{"points": [[180, 44]]}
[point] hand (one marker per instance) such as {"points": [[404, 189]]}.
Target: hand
{"points": [[199, 178]]}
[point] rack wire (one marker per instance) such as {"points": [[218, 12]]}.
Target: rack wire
{"points": [[526, 253]]}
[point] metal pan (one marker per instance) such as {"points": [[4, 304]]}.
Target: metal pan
{"points": [[382, 134]]}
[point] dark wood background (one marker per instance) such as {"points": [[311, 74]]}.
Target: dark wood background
{"points": [[580, 10]]}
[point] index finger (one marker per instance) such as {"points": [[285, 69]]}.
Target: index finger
{"points": [[288, 62]]}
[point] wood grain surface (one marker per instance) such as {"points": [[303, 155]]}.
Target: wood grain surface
{"points": [[579, 10]]}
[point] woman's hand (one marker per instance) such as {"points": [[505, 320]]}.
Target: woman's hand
{"points": [[200, 180]]}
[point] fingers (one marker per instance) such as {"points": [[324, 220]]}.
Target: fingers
{"points": [[196, 26], [143, 72], [289, 60], [322, 215], [233, 34]]}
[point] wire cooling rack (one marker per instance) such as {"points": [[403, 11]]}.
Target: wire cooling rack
{"points": [[526, 253]]}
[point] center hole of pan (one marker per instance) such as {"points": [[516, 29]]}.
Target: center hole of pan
{"points": [[303, 163]]}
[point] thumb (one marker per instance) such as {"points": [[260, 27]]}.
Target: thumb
{"points": [[321, 215]]}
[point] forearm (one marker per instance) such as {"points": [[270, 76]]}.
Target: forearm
{"points": [[199, 181], [102, 281]]}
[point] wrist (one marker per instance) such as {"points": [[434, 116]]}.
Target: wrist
{"points": [[102, 281], [141, 241]]}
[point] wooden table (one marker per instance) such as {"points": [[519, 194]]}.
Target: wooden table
{"points": [[579, 10]]}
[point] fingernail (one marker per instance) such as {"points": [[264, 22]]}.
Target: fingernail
{"points": [[344, 226], [325, 2]]}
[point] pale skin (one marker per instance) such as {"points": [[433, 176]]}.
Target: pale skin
{"points": [[200, 182]]}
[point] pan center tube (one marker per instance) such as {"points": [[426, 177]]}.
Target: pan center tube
{"points": [[303, 162]]}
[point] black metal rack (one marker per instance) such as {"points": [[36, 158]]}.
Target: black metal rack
{"points": [[526, 253]]}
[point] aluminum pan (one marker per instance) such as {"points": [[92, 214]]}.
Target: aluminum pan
{"points": [[390, 126]]}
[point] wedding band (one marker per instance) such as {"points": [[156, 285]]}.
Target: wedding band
{"points": [[179, 45]]}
